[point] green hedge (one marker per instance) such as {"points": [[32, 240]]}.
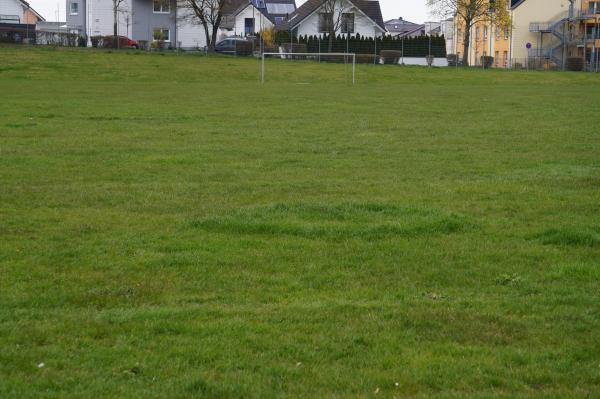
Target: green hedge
{"points": [[413, 47]]}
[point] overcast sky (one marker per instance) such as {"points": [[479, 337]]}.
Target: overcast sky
{"points": [[412, 10]]}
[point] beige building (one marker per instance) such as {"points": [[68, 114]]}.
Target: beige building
{"points": [[543, 34], [531, 36]]}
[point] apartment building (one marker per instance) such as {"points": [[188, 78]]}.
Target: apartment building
{"points": [[486, 39], [542, 34]]}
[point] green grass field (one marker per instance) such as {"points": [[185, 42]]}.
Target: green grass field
{"points": [[171, 228]]}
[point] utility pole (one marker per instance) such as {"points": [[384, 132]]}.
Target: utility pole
{"points": [[566, 32]]}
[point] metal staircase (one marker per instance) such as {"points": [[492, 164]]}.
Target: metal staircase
{"points": [[556, 28]]}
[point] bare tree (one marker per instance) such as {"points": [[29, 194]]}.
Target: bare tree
{"points": [[334, 12], [117, 7], [468, 13], [210, 14]]}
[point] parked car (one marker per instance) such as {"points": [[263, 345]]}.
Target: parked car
{"points": [[123, 42], [235, 46]]}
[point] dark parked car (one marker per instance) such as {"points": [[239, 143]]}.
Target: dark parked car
{"points": [[235, 46]]}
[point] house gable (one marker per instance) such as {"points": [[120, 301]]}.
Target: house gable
{"points": [[369, 9]]}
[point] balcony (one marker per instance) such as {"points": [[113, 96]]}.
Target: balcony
{"points": [[539, 27]]}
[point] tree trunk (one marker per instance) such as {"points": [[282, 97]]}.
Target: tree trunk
{"points": [[330, 45], [213, 41], [207, 34], [466, 46], [115, 39]]}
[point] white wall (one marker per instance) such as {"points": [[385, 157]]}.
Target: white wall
{"points": [[190, 32], [11, 7], [362, 24], [260, 21], [101, 17], [438, 62]]}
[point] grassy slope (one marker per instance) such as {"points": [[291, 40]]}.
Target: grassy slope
{"points": [[168, 227]]}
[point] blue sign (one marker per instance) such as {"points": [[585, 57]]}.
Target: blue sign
{"points": [[528, 45]]}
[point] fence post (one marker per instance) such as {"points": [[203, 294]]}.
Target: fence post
{"points": [[402, 50], [375, 55]]}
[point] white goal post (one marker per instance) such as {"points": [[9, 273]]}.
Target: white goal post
{"points": [[316, 55]]}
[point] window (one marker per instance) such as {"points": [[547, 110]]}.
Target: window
{"points": [[161, 35], [505, 59], [162, 6], [74, 8], [505, 33], [498, 31], [496, 58], [594, 7], [324, 22], [477, 33], [279, 20], [348, 23], [249, 26], [590, 31], [485, 33]]}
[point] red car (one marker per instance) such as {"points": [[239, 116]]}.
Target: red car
{"points": [[124, 42]]}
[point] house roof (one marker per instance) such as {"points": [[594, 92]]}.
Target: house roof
{"points": [[370, 8], [271, 9], [516, 3], [401, 26], [28, 7]]}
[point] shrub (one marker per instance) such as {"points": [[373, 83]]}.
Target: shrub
{"points": [[294, 48], [575, 64], [268, 36], [429, 59], [390, 56], [367, 59], [96, 41], [244, 48], [487, 61], [452, 60]]}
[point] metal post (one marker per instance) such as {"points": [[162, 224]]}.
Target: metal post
{"points": [[353, 69], [263, 69], [429, 46], [402, 50], [597, 25], [596, 43], [490, 36], [375, 56]]}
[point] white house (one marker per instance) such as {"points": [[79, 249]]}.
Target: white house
{"points": [[361, 17], [242, 18]]}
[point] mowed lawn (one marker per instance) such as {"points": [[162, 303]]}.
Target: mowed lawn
{"points": [[171, 228]]}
